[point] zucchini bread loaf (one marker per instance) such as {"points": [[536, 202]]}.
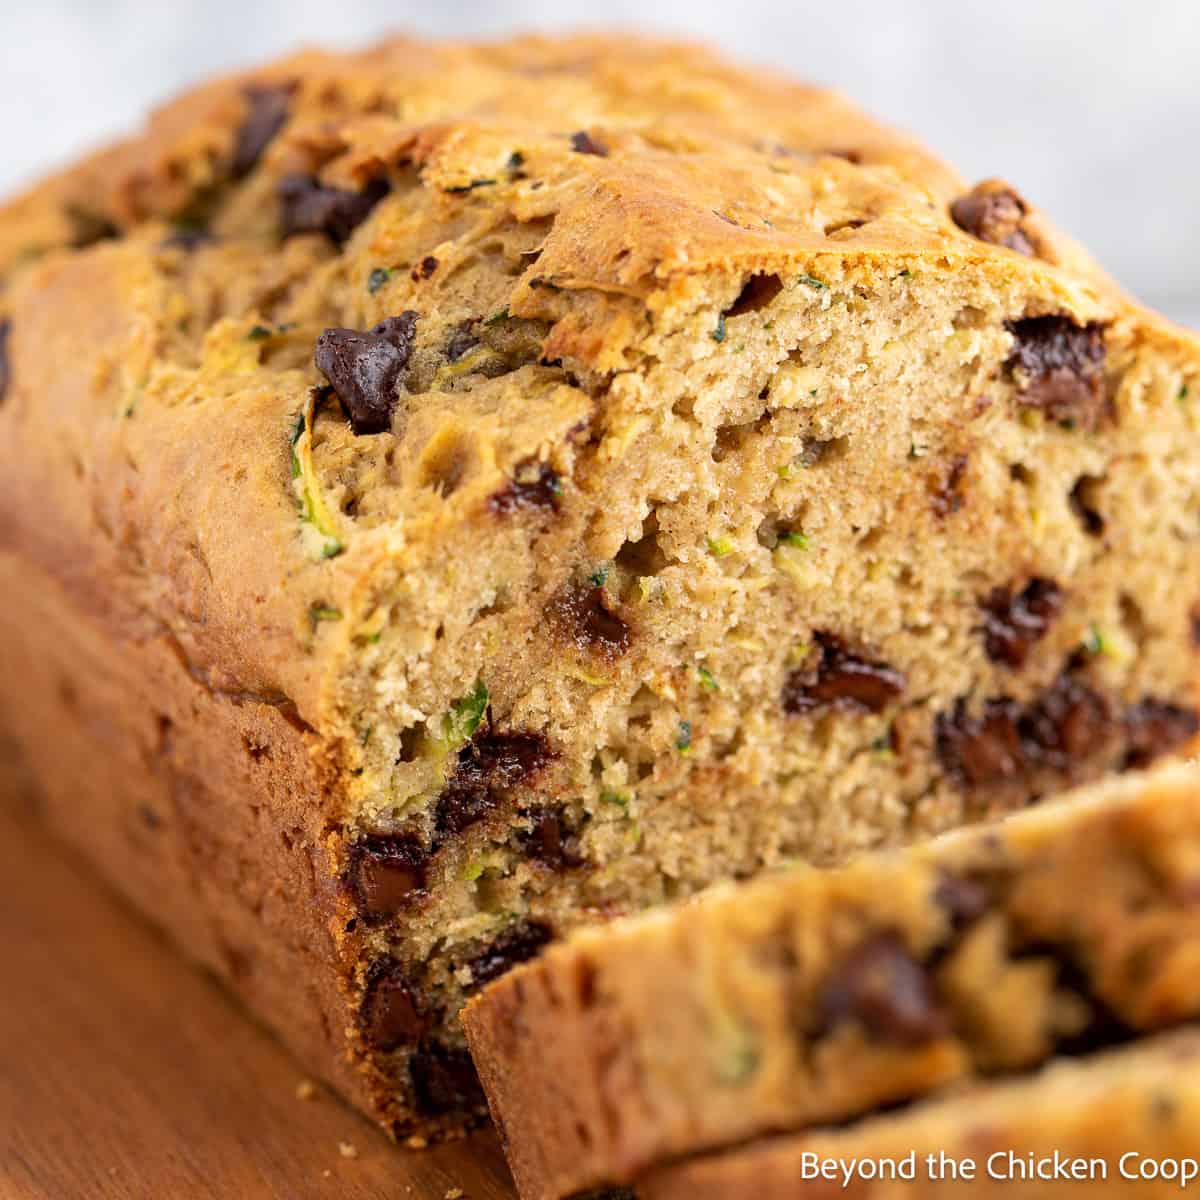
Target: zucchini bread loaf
{"points": [[819, 996], [1118, 1124], [452, 493]]}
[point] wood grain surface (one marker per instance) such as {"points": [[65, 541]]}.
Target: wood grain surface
{"points": [[124, 1072]]}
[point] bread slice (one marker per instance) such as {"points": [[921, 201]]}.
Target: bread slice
{"points": [[495, 488], [1121, 1123], [818, 996]]}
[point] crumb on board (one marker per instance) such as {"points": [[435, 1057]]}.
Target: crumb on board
{"points": [[454, 1194], [306, 1090], [347, 1149], [417, 1142]]}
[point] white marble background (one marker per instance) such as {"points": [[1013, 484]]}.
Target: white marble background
{"points": [[1092, 107]]}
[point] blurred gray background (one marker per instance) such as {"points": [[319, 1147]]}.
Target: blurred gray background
{"points": [[1091, 107]]}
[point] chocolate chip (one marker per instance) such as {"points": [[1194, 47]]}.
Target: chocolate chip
{"points": [[5, 369], [832, 675], [508, 758], [1069, 721], [1059, 367], [964, 900], [390, 1014], [517, 944], [534, 485], [461, 340], [546, 840], [463, 802], [399, 331], [994, 213], [1012, 624], [581, 614], [307, 206], [582, 142], [1066, 723], [266, 115], [187, 238], [882, 986], [980, 750], [1155, 727], [948, 496], [1193, 616], [365, 369], [425, 268], [486, 767], [387, 873], [444, 1078]]}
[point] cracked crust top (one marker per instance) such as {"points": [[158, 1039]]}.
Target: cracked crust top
{"points": [[636, 179]]}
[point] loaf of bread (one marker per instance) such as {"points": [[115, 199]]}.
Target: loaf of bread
{"points": [[818, 996], [1118, 1125], [455, 493]]}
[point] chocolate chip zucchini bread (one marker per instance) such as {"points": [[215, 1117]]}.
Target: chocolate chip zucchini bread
{"points": [[820, 995], [460, 492], [1121, 1123]]}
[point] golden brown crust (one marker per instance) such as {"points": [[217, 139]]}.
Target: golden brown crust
{"points": [[596, 205], [201, 808], [819, 996]]}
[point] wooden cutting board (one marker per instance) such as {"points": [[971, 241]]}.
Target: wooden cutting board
{"points": [[125, 1073]]}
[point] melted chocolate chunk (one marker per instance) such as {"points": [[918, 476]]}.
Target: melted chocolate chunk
{"points": [[882, 986], [444, 1079], [993, 214], [399, 331], [307, 206], [267, 113], [488, 765], [546, 840], [1069, 721], [517, 944], [5, 370], [465, 800], [964, 900], [1012, 624], [581, 614], [582, 142], [981, 750], [535, 485], [391, 1014], [425, 268], [365, 369], [1059, 368], [1155, 727], [386, 874], [948, 496], [832, 675]]}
